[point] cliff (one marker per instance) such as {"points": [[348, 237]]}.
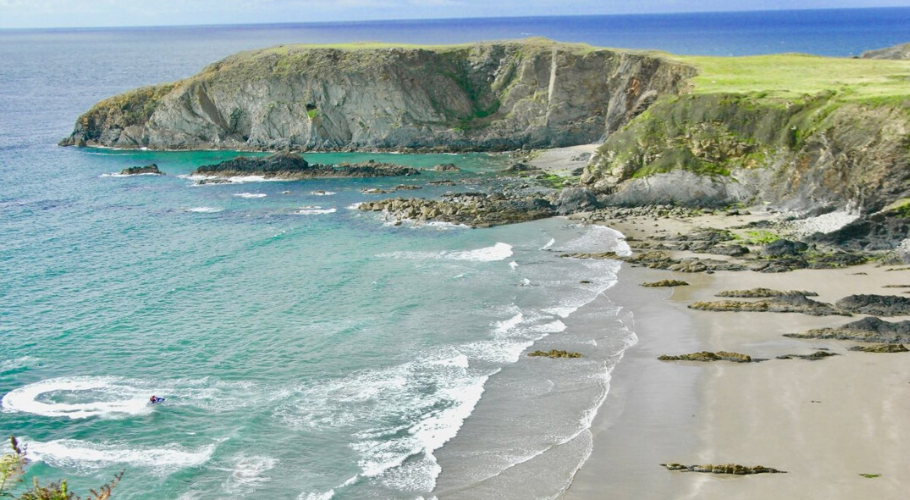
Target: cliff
{"points": [[798, 132], [485, 96], [901, 51]]}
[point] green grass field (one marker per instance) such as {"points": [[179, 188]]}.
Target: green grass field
{"points": [[791, 76]]}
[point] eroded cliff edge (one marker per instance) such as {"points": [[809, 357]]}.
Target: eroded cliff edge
{"points": [[485, 96]]}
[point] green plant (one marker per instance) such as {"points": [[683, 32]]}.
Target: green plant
{"points": [[12, 468]]}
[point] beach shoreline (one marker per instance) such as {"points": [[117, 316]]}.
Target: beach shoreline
{"points": [[829, 422]]}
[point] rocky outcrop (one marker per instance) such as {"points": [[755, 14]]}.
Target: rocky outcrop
{"points": [[739, 470], [470, 209], [865, 330], [880, 348], [554, 354], [151, 169], [706, 356], [489, 96], [876, 305], [722, 149], [759, 293], [293, 167], [815, 356], [665, 283], [660, 260], [780, 304], [901, 51]]}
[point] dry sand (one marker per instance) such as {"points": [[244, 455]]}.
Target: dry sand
{"points": [[826, 422]]}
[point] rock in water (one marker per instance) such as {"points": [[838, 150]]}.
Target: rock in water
{"points": [[148, 169], [292, 167]]}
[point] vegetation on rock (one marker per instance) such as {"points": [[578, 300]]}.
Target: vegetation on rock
{"points": [[880, 348], [710, 356], [554, 353], [736, 469], [665, 283]]}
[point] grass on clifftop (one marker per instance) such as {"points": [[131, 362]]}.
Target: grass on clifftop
{"points": [[793, 76]]}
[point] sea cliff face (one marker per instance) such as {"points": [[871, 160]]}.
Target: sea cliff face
{"points": [[814, 153], [487, 96]]}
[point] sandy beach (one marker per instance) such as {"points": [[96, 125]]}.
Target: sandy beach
{"points": [[826, 422]]}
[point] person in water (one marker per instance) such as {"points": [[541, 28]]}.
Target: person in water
{"points": [[153, 399]]}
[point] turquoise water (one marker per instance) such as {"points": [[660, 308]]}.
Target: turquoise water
{"points": [[303, 352]]}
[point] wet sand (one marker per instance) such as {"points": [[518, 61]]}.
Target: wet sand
{"points": [[826, 422]]}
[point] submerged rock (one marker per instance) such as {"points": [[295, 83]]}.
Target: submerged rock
{"points": [[665, 283], [815, 356], [736, 469], [554, 354], [147, 169], [880, 348], [756, 293], [710, 356], [876, 305], [446, 167], [783, 304], [865, 330]]}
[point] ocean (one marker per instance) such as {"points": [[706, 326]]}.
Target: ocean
{"points": [[306, 350]]}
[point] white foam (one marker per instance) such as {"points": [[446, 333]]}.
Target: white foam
{"points": [[322, 193], [118, 174], [499, 251], [328, 495], [250, 195], [109, 397], [249, 472], [164, 459], [598, 239], [204, 210], [505, 326], [549, 244], [513, 265], [354, 206], [315, 210]]}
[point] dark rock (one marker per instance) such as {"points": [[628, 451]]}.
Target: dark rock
{"points": [[782, 304], [739, 470], [575, 199], [880, 348], [291, 166], [665, 283], [147, 169], [470, 209], [729, 250], [815, 356], [203, 182], [446, 167], [554, 354], [865, 330], [705, 356], [784, 248], [876, 305], [445, 182], [757, 293], [521, 168]]}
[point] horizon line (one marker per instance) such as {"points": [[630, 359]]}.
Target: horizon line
{"points": [[418, 19]]}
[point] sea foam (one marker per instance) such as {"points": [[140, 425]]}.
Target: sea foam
{"points": [[74, 453], [104, 397]]}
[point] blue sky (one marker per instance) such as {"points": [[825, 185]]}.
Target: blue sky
{"points": [[87, 13]]}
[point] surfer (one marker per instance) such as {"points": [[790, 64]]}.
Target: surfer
{"points": [[154, 399]]}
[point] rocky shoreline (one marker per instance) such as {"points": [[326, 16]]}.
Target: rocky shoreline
{"points": [[290, 166]]}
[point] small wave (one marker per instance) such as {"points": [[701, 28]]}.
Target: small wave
{"points": [[204, 210], [105, 397], [248, 472], [549, 244], [87, 455], [243, 179], [250, 195], [322, 193], [499, 251], [513, 265], [598, 239], [354, 206], [315, 210], [328, 495], [118, 174]]}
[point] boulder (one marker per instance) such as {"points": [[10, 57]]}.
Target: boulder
{"points": [[876, 305], [145, 170]]}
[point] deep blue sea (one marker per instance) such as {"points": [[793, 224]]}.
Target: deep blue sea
{"points": [[306, 350]]}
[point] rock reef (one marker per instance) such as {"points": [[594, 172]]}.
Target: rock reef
{"points": [[554, 353], [705, 356], [151, 169], [865, 330], [736, 469], [780, 304], [876, 305], [293, 167], [470, 209]]}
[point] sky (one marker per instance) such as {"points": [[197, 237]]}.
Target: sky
{"points": [[104, 13]]}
